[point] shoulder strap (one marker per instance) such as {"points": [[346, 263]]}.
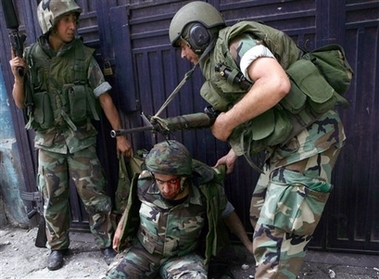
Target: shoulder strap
{"points": [[80, 71]]}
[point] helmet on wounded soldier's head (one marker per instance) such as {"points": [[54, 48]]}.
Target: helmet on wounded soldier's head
{"points": [[169, 157], [49, 12], [197, 23]]}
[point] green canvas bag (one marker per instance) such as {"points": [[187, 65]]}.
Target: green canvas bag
{"points": [[333, 65], [126, 173], [318, 79]]}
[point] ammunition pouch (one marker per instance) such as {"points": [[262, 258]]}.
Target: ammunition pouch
{"points": [[317, 82], [78, 104], [271, 128], [331, 61], [82, 102], [50, 101], [42, 116]]}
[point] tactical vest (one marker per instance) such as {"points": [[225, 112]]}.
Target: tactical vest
{"points": [[208, 180], [58, 92], [310, 96]]}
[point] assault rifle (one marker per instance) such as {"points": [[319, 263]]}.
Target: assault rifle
{"points": [[166, 126], [17, 41], [37, 199]]}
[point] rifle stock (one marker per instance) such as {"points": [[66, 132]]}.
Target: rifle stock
{"points": [[36, 198]]}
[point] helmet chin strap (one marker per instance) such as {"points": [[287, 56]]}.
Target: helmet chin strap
{"points": [[185, 78]]}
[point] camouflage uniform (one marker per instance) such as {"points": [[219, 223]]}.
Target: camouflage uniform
{"points": [[167, 235], [301, 135], [69, 150], [290, 195]]}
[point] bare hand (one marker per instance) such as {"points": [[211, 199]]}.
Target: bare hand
{"points": [[16, 62], [124, 147], [116, 239], [228, 160]]}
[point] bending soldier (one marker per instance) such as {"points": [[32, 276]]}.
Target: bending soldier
{"points": [[301, 139]]}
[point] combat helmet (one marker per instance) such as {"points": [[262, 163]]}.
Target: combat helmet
{"points": [[48, 11], [169, 157], [197, 23]]}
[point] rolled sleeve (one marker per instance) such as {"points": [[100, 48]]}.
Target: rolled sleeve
{"points": [[102, 88], [96, 79], [251, 55]]}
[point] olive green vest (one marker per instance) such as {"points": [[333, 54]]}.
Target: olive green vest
{"points": [[310, 95], [58, 92]]}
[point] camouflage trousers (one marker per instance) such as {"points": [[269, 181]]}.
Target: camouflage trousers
{"points": [[136, 262], [85, 170], [285, 209]]}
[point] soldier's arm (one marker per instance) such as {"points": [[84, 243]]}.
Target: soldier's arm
{"points": [[18, 91], [235, 225], [233, 222], [270, 85], [101, 89]]}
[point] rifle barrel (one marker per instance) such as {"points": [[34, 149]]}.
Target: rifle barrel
{"points": [[11, 22], [116, 133], [9, 14]]}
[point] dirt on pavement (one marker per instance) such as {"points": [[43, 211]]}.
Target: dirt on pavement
{"points": [[20, 259]]}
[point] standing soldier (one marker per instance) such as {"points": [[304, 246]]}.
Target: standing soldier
{"points": [[60, 91], [247, 68]]}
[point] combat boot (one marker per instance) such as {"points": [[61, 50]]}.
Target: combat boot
{"points": [[55, 260]]}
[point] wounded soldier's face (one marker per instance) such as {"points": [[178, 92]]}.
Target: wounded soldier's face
{"points": [[170, 186]]}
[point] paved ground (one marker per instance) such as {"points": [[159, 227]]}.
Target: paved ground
{"points": [[20, 259]]}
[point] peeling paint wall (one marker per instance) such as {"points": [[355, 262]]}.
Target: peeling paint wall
{"points": [[10, 171]]}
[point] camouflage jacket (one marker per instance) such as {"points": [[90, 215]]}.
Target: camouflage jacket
{"points": [[175, 230]]}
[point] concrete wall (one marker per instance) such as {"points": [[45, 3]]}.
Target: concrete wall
{"points": [[12, 208]]}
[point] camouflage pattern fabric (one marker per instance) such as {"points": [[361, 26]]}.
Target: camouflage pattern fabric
{"points": [[290, 197], [86, 172], [49, 12], [136, 262], [167, 238], [169, 157], [166, 229], [65, 141], [166, 232]]}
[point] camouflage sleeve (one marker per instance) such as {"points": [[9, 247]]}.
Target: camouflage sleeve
{"points": [[96, 79], [245, 50]]}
